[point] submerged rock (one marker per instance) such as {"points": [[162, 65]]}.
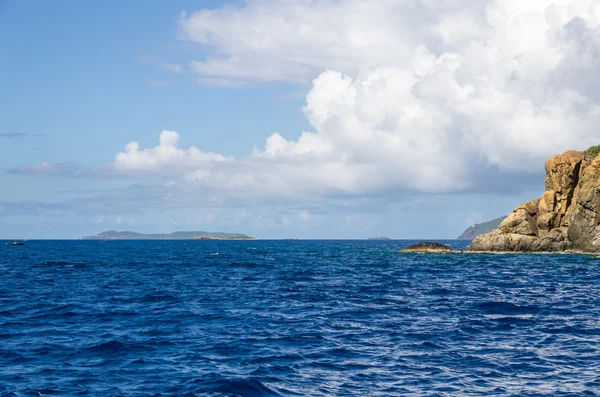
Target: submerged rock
{"points": [[428, 246]]}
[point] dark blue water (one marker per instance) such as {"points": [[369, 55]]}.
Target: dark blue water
{"points": [[294, 318]]}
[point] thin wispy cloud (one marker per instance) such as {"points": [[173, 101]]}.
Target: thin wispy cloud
{"points": [[72, 170], [161, 64], [20, 135]]}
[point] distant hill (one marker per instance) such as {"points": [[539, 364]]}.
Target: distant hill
{"points": [[481, 228], [114, 235]]}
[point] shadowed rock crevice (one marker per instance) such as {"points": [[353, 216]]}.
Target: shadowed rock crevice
{"points": [[565, 217]]}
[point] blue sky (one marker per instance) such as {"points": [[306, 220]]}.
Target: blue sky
{"points": [[311, 119]]}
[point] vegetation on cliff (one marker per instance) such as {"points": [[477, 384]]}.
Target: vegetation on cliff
{"points": [[592, 151]]}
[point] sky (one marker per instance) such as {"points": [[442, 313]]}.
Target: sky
{"points": [[290, 118]]}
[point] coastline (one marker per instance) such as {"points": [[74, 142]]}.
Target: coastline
{"points": [[569, 252]]}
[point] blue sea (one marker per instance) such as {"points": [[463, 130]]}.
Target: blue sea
{"points": [[294, 318]]}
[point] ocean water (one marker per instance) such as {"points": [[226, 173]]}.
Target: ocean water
{"points": [[294, 318]]}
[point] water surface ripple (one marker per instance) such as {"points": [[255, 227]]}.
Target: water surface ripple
{"points": [[294, 318]]}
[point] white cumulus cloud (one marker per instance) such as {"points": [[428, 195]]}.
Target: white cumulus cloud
{"points": [[420, 95], [166, 157]]}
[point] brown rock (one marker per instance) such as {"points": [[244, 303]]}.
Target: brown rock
{"points": [[554, 241], [531, 207], [547, 202], [565, 221], [547, 221], [567, 216], [521, 243], [584, 227], [495, 241], [562, 171], [519, 222]]}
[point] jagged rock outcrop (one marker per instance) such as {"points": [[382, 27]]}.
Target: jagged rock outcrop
{"points": [[566, 217]]}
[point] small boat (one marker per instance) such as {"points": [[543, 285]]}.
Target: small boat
{"points": [[16, 243]]}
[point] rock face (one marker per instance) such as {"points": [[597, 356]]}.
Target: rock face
{"points": [[428, 247], [566, 217], [584, 230]]}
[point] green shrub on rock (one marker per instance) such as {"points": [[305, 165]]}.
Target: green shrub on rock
{"points": [[592, 151]]}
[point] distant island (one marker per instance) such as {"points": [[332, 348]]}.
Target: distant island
{"points": [[481, 228], [114, 235], [379, 238]]}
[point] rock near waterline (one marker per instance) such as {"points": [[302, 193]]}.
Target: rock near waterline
{"points": [[427, 246]]}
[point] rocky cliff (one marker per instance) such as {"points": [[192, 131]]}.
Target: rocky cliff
{"points": [[566, 217]]}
